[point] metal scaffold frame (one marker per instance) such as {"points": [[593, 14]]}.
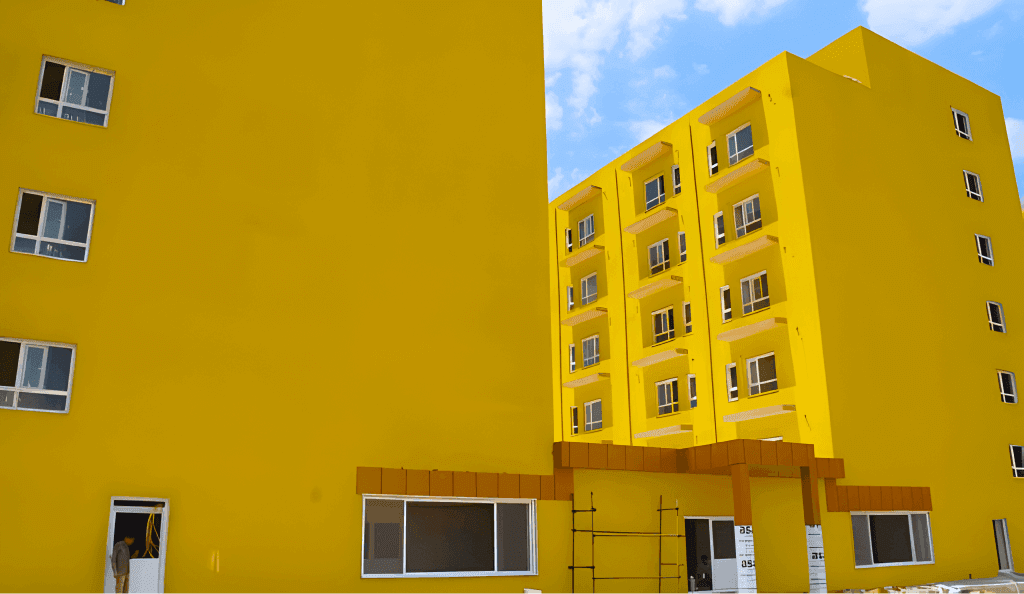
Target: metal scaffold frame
{"points": [[595, 533]]}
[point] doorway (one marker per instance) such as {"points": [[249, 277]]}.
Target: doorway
{"points": [[1003, 551], [711, 553], [145, 520]]}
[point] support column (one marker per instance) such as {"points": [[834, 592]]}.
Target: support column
{"points": [[746, 573], [812, 524]]}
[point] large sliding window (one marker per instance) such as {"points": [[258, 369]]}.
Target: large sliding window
{"points": [[53, 226], [36, 375], [437, 537], [883, 538], [73, 91]]}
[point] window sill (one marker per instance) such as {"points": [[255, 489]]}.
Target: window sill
{"points": [[737, 163], [662, 342], [586, 432], [671, 414], [592, 365], [756, 311], [894, 564], [759, 394]]}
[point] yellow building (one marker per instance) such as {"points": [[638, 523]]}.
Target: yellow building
{"points": [[820, 255]]}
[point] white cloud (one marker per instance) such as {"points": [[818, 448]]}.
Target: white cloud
{"points": [[912, 22], [552, 111], [555, 183], [644, 129], [701, 69], [551, 80], [665, 71], [731, 12], [1015, 131]]}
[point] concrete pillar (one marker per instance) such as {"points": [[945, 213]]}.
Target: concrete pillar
{"points": [[746, 572], [812, 522]]}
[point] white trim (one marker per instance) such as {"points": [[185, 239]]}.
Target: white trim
{"points": [[659, 248], [732, 382], [743, 226], [574, 420], [672, 399], [687, 318], [38, 237], [721, 300], [572, 357], [668, 325], [595, 339], [61, 103], [569, 302], [980, 242], [586, 224], [999, 326], [746, 152], [682, 246], [747, 289], [586, 296], [776, 438], [1006, 541], [980, 194], [691, 389], [910, 528], [165, 514], [660, 180], [1018, 471], [568, 240], [677, 180], [754, 384], [1011, 397], [718, 226], [713, 166], [956, 124], [18, 389]]}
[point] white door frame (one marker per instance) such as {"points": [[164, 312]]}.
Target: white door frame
{"points": [[164, 515], [711, 537], [1006, 542]]}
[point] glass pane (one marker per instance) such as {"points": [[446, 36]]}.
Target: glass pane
{"points": [[25, 246], [714, 155], [46, 108], [652, 191], [513, 537], [42, 401], [6, 399], [922, 538], [1018, 457], [9, 352], [744, 140], [447, 536], [81, 115], [993, 310], [28, 215], [890, 539], [756, 205], [766, 366], [745, 291], [33, 367], [53, 78], [597, 411], [724, 537], [1005, 383], [727, 299], [382, 536], [99, 89], [732, 148], [64, 252], [54, 214], [75, 90], [861, 540], [58, 369], [76, 221]]}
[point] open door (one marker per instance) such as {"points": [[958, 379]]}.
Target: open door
{"points": [[711, 554], [145, 520], [1003, 545]]}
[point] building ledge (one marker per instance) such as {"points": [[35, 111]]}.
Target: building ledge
{"points": [[583, 255], [655, 287], [651, 220], [579, 198], [586, 316], [586, 380], [659, 357], [670, 430], [647, 156], [737, 175], [742, 251], [760, 413], [730, 106], [749, 329]]}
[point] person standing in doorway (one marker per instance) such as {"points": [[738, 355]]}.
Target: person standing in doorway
{"points": [[119, 562]]}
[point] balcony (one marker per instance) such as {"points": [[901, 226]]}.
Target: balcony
{"points": [[583, 255], [670, 430], [742, 251], [651, 219], [579, 198], [730, 106], [655, 287], [647, 156], [586, 380], [736, 176], [760, 413], [750, 329], [585, 316], [659, 357]]}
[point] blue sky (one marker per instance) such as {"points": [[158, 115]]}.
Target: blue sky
{"points": [[618, 71]]}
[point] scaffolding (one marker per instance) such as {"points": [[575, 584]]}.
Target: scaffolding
{"points": [[595, 534]]}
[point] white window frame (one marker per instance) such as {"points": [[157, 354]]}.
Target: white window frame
{"points": [[687, 318], [965, 134], [586, 230], [48, 197], [659, 250], [713, 166], [726, 311], [743, 226], [732, 382], [979, 242], [588, 282], [776, 438], [569, 302], [118, 2], [1011, 397], [669, 324], [20, 374], [747, 286], [735, 158], [691, 389], [660, 180], [754, 379], [993, 325], [718, 225], [568, 240], [1018, 471], [677, 180], [672, 399], [572, 357], [574, 420], [682, 246], [980, 194], [532, 536], [61, 104], [913, 545], [595, 358], [589, 422]]}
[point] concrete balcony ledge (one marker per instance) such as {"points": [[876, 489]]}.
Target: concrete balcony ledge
{"points": [[655, 287], [651, 219], [737, 175], [659, 357], [585, 316], [580, 197], [760, 413], [647, 156], [742, 251], [750, 329], [585, 253], [670, 430], [730, 106], [586, 380]]}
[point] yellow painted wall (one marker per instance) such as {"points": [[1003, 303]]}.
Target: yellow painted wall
{"points": [[319, 243]]}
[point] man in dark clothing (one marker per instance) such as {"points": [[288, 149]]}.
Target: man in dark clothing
{"points": [[119, 562]]}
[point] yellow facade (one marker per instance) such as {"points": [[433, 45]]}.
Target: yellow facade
{"points": [[877, 318]]}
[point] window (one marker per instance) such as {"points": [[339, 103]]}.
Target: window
{"points": [[984, 249], [586, 230], [962, 124], [726, 296], [712, 159], [687, 321], [655, 192], [119, 2], [657, 256], [589, 292], [719, 226], [572, 357], [891, 539], [973, 184], [692, 384], [732, 382], [741, 144], [437, 537], [754, 292], [668, 396], [1017, 460], [592, 411], [664, 325], [682, 247], [36, 375], [74, 91], [677, 181], [776, 438], [996, 321], [568, 241], [569, 303], [747, 215], [1008, 387], [52, 227], [591, 351], [574, 419], [761, 374]]}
